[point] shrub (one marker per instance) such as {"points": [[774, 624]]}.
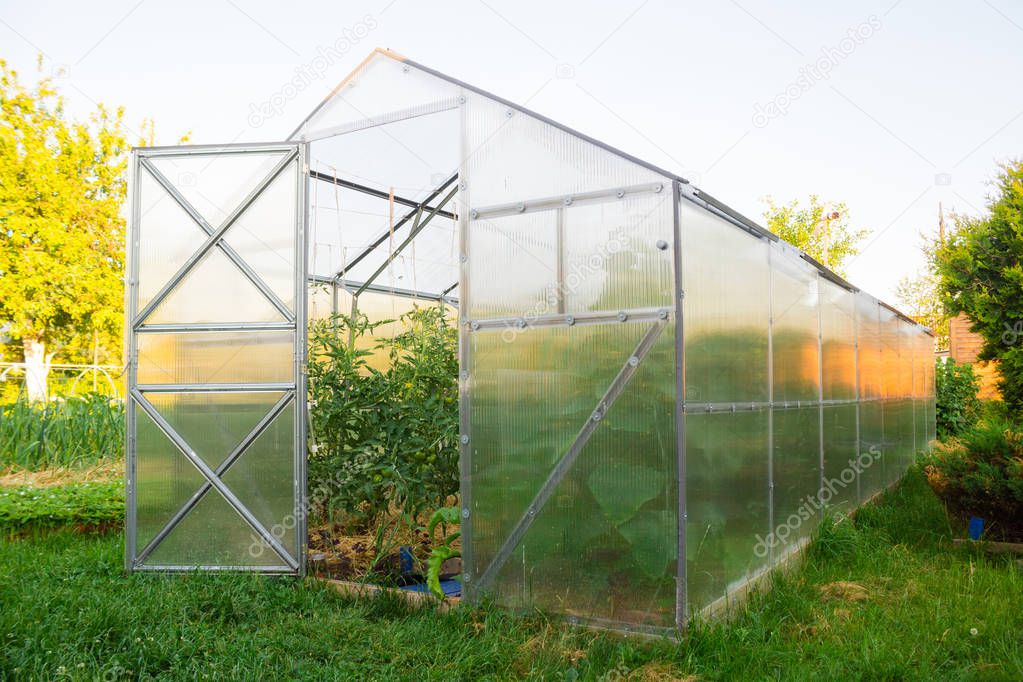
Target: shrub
{"points": [[981, 474], [956, 400], [383, 440], [62, 432]]}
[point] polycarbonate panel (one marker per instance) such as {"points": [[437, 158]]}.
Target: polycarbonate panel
{"points": [[797, 473], [840, 489], [869, 347], [216, 357], [605, 546], [264, 235], [514, 157], [381, 90], [873, 449], [794, 328], [263, 480], [728, 534], [726, 309], [215, 184], [165, 479], [838, 341], [167, 236], [213, 424], [888, 327], [214, 290], [213, 534]]}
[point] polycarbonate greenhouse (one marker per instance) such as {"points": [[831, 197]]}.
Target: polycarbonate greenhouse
{"points": [[658, 396]]}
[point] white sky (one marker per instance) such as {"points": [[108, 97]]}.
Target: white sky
{"points": [[920, 109]]}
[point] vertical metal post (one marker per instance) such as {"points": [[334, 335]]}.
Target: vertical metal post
{"points": [[770, 400], [130, 352], [681, 577], [465, 360], [301, 350], [820, 379], [859, 391]]}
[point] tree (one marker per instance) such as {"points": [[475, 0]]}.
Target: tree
{"points": [[62, 185], [980, 267], [920, 298], [821, 229]]}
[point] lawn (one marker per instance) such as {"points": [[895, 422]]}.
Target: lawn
{"points": [[886, 599]]}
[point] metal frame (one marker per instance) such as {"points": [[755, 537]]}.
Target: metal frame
{"points": [[293, 393]]}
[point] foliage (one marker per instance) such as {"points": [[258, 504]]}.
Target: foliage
{"points": [[821, 229], [61, 234], [383, 438], [441, 551], [87, 504], [981, 474], [920, 297], [60, 433], [70, 612], [956, 402], [980, 267]]}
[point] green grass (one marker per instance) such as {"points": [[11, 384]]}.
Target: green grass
{"points": [[66, 608], [24, 508], [75, 431]]}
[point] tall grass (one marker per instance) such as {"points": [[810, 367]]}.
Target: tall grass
{"points": [[64, 432]]}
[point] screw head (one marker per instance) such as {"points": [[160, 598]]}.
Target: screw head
{"points": [[620, 194], [465, 440], [570, 320], [520, 207], [633, 361], [474, 214], [661, 244], [662, 314], [465, 512], [658, 187], [520, 323], [568, 201], [622, 317], [474, 325]]}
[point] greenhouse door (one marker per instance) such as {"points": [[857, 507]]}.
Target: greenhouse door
{"points": [[216, 348]]}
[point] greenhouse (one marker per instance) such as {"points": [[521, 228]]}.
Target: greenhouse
{"points": [[657, 397]]}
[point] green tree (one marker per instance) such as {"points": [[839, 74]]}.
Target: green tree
{"points": [[980, 267], [920, 297], [821, 229], [62, 185]]}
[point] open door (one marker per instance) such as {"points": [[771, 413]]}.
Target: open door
{"points": [[216, 334]]}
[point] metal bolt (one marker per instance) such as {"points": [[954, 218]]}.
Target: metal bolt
{"points": [[465, 376], [405, 69], [658, 187], [465, 440], [474, 213], [622, 317], [467, 577], [521, 207], [463, 258], [532, 512], [596, 416], [520, 323], [509, 113], [633, 361], [465, 512], [570, 320], [474, 325], [568, 201], [661, 244], [662, 314], [620, 194]]}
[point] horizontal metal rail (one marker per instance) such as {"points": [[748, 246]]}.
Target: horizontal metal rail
{"points": [[215, 388], [568, 320], [180, 327], [375, 121], [550, 203]]}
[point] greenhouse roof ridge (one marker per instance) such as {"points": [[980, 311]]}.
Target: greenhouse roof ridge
{"points": [[690, 191]]}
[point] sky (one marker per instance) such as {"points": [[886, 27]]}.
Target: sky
{"points": [[890, 107]]}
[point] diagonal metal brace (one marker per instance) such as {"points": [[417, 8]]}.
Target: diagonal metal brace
{"points": [[567, 460], [417, 227], [248, 440], [215, 239], [213, 479]]}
